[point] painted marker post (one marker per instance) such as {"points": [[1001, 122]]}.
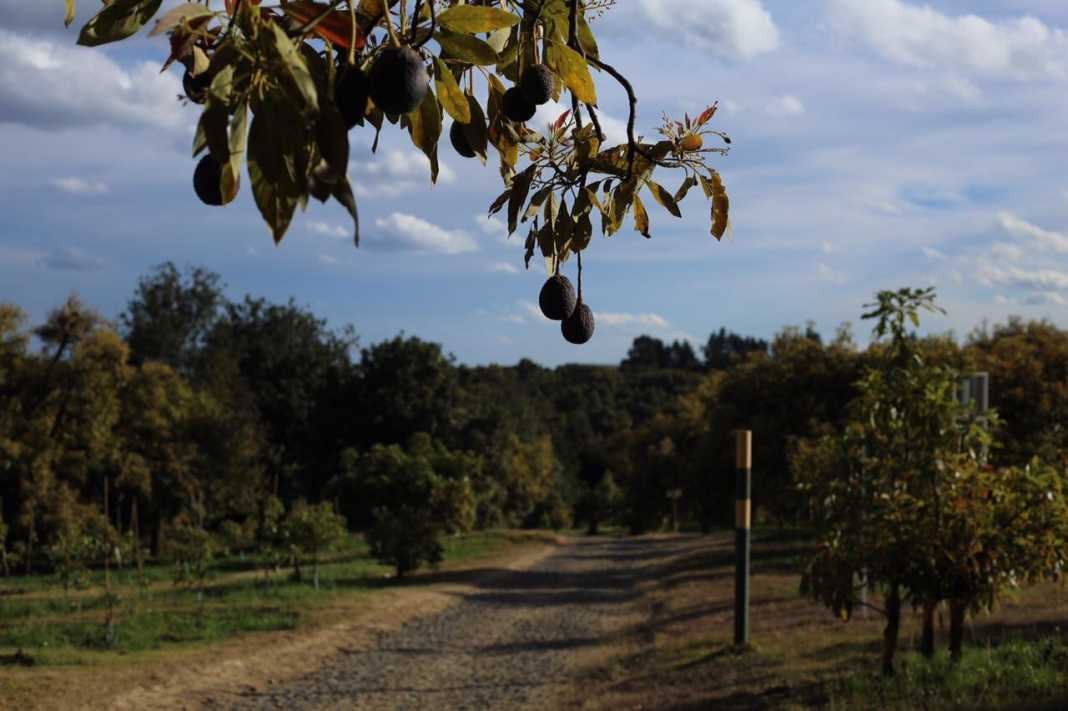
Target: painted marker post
{"points": [[743, 456]]}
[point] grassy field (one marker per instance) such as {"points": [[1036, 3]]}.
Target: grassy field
{"points": [[682, 656], [52, 627]]}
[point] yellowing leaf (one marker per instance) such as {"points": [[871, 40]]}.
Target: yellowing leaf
{"points": [[573, 69], [454, 100], [721, 206], [466, 48], [641, 217], [69, 17], [663, 197], [472, 19], [172, 18]]}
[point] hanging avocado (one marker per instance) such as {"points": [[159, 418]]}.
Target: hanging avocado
{"points": [[399, 80]]}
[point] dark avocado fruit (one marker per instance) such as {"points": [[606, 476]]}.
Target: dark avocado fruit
{"points": [[399, 80], [557, 298], [537, 84], [350, 95], [578, 328], [206, 181], [517, 106], [459, 140]]}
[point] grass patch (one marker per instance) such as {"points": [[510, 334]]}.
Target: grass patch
{"points": [[61, 630], [1016, 674]]}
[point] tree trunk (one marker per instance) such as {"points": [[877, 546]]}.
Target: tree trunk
{"points": [[927, 641], [957, 610], [893, 626]]}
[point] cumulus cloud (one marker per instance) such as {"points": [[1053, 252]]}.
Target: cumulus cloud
{"points": [[1021, 48], [47, 85], [503, 267], [732, 29], [1044, 239], [493, 226], [80, 186], [650, 320], [70, 259], [327, 230], [401, 231], [787, 105], [615, 130], [932, 253], [1038, 280]]}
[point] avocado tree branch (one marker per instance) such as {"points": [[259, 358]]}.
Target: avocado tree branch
{"points": [[632, 143]]}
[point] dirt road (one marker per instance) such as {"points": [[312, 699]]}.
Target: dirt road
{"points": [[513, 639]]}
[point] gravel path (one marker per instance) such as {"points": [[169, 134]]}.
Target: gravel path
{"points": [[513, 640]]}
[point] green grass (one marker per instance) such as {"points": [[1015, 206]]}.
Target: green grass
{"points": [[1016, 674], [55, 629]]}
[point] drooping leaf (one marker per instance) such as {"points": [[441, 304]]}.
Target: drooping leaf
{"points": [[343, 194], [231, 174], [176, 15], [293, 62], [424, 125], [684, 189], [454, 100], [721, 204], [518, 196], [69, 16], [572, 68], [641, 217], [274, 164], [119, 20], [473, 19], [663, 197]]}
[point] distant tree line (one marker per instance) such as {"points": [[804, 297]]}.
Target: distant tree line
{"points": [[196, 412]]}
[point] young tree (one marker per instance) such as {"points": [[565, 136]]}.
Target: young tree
{"points": [[308, 72], [192, 549], [313, 529]]}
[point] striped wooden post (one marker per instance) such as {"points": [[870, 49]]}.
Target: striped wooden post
{"points": [[743, 456]]}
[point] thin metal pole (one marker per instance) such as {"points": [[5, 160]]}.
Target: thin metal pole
{"points": [[743, 449]]}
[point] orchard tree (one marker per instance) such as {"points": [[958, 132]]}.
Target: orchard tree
{"points": [[313, 529], [282, 85]]}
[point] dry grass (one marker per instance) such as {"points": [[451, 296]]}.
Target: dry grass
{"points": [[682, 656]]}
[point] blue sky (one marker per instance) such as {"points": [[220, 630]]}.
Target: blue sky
{"points": [[877, 144]]}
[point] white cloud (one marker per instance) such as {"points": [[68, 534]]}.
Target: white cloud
{"points": [[328, 260], [327, 230], [1037, 279], [1021, 48], [1005, 251], [70, 259], [408, 232], [615, 130], [827, 274], [932, 253], [493, 226], [627, 319], [1046, 297], [787, 105], [733, 29], [827, 246], [1021, 228], [408, 164], [503, 267], [80, 186], [48, 85]]}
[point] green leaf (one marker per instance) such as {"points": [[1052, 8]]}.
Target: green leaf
{"points": [[231, 174], [518, 196], [275, 157], [641, 217], [294, 63], [424, 125], [663, 197], [117, 21], [572, 68], [454, 100], [173, 17], [69, 17], [472, 19], [466, 48]]}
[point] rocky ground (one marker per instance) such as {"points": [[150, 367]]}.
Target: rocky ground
{"points": [[513, 639]]}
